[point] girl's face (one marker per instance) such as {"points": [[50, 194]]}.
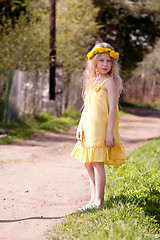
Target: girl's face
{"points": [[104, 64]]}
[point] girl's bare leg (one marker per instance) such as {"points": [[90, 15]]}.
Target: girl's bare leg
{"points": [[90, 170], [100, 181]]}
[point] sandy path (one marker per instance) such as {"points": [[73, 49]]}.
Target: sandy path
{"points": [[39, 178]]}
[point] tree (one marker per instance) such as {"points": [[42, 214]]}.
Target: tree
{"points": [[132, 27], [76, 34], [12, 9], [26, 45], [149, 67], [76, 31]]}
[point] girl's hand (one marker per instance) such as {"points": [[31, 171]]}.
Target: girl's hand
{"points": [[109, 140], [79, 133]]}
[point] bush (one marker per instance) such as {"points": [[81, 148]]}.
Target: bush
{"points": [[44, 117], [74, 114], [58, 124]]}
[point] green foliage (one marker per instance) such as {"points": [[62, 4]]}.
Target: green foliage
{"points": [[132, 202], [73, 113], [122, 112], [76, 32], [120, 222], [24, 129], [132, 27], [155, 105], [150, 65], [26, 46], [132, 105], [68, 119], [12, 9], [58, 124], [44, 117], [5, 141], [137, 182]]}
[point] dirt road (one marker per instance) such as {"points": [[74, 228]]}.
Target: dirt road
{"points": [[40, 181]]}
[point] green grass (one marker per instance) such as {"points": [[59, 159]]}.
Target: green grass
{"points": [[5, 141], [68, 119], [24, 129], [58, 125], [20, 130], [132, 202], [155, 105], [122, 112]]}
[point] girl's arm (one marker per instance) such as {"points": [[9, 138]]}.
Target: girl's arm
{"points": [[80, 128], [112, 98]]}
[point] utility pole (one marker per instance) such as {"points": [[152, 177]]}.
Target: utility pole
{"points": [[52, 50]]}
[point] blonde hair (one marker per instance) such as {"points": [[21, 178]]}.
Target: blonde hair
{"points": [[90, 73]]}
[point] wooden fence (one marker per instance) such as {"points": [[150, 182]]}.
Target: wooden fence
{"points": [[141, 90]]}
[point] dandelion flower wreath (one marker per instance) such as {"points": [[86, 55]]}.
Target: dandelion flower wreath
{"points": [[112, 53]]}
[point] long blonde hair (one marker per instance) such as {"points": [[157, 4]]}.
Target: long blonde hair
{"points": [[90, 73]]}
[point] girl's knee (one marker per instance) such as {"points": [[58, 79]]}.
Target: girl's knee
{"points": [[89, 165], [98, 165]]}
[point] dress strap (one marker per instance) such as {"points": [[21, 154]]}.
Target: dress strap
{"points": [[101, 84]]}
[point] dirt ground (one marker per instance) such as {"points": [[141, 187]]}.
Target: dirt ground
{"points": [[40, 182]]}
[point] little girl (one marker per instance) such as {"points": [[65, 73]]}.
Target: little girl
{"points": [[97, 134]]}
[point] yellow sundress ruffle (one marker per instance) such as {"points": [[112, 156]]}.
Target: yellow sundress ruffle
{"points": [[89, 154]]}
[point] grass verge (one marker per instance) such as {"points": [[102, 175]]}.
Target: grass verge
{"points": [[25, 129], [155, 105], [132, 202]]}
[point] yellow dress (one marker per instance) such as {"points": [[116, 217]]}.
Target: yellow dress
{"points": [[95, 120]]}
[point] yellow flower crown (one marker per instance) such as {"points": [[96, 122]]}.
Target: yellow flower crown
{"points": [[112, 53]]}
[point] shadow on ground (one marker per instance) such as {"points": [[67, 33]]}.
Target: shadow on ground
{"points": [[43, 139], [143, 112]]}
